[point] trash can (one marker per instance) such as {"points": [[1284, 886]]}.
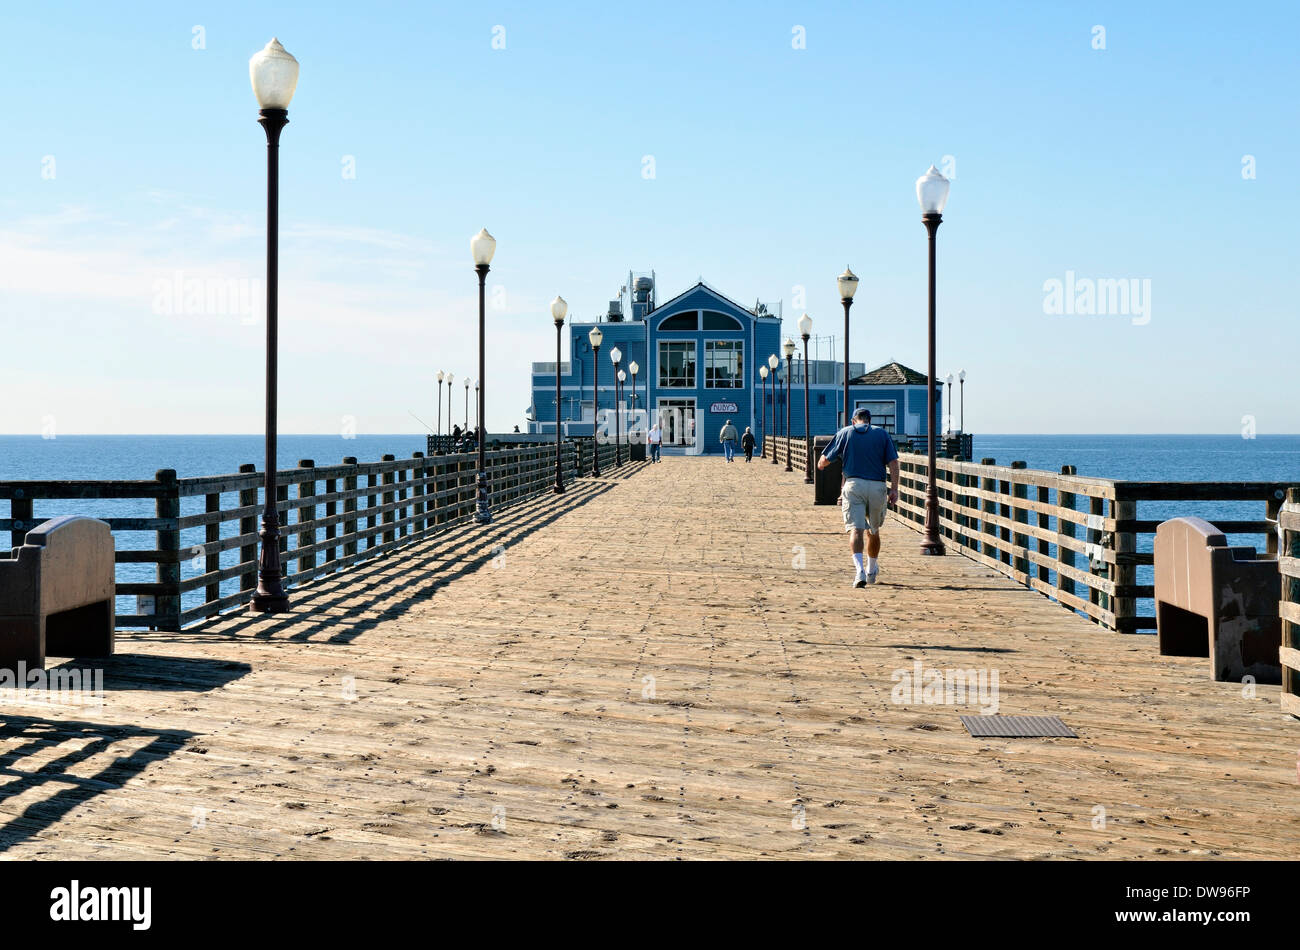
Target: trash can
{"points": [[637, 452], [826, 481]]}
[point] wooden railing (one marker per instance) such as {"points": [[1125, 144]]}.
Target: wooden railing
{"points": [[1289, 563], [1078, 540], [204, 541], [796, 446]]}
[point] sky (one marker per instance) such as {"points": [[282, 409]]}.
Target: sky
{"points": [[759, 146]]}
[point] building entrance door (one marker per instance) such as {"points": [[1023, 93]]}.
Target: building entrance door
{"points": [[677, 416]]}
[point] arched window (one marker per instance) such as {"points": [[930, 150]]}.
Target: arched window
{"points": [[680, 321], [720, 321]]}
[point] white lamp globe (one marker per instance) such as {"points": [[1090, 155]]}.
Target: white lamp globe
{"points": [[774, 361], [788, 347], [633, 368], [559, 309], [932, 191], [805, 326], [762, 371], [595, 336], [274, 74], [616, 355], [482, 246], [848, 283]]}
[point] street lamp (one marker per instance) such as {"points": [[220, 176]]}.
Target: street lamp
{"points": [[805, 329], [438, 433], [476, 419], [762, 372], [616, 357], [947, 402], [961, 377], [482, 246], [788, 348], [558, 310], [594, 337], [274, 75], [932, 194], [466, 405], [632, 368], [773, 362], [848, 283]]}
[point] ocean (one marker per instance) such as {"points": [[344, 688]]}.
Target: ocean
{"points": [[1135, 457]]}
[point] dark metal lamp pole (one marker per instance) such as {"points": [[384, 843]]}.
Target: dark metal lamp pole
{"points": [[762, 372], [616, 357], [774, 361], [438, 435], [558, 309], [805, 329], [788, 348], [932, 192], [274, 75], [482, 246], [594, 337], [848, 285]]}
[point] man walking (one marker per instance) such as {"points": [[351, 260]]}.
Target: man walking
{"points": [[728, 437], [655, 438], [747, 442], [866, 451]]}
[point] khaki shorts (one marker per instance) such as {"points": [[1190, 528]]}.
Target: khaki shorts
{"points": [[864, 503]]}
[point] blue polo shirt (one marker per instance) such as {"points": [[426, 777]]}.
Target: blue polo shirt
{"points": [[865, 450]]}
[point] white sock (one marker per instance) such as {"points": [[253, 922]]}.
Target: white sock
{"points": [[872, 565], [857, 560]]}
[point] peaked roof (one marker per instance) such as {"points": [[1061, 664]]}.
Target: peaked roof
{"points": [[700, 286], [891, 374]]}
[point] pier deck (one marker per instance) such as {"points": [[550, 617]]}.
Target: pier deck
{"points": [[488, 695]]}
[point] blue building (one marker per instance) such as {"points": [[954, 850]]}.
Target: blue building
{"points": [[697, 359]]}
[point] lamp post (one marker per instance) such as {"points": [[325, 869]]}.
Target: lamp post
{"points": [[558, 310], [476, 420], [932, 194], [594, 337], [788, 348], [632, 368], [616, 357], [961, 377], [773, 362], [466, 405], [482, 246], [848, 284], [947, 402], [622, 380], [448, 413], [274, 75], [438, 432], [805, 329], [762, 372]]}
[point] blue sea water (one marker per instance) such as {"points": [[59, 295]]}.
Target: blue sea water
{"points": [[1130, 457]]}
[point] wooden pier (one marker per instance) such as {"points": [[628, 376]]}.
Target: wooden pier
{"points": [[667, 662]]}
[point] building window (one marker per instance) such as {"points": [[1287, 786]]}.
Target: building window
{"points": [[680, 321], [883, 413], [677, 364], [720, 321], [724, 364], [821, 399]]}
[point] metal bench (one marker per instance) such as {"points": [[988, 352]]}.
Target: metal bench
{"points": [[1217, 601], [56, 593]]}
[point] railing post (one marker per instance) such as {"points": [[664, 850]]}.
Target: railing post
{"points": [[989, 506], [1124, 571], [402, 507], [371, 518], [388, 500], [1096, 510], [167, 605], [248, 529], [307, 507], [350, 508], [331, 529], [212, 562], [1020, 515], [20, 510], [1290, 548], [1044, 525], [1065, 501], [417, 493]]}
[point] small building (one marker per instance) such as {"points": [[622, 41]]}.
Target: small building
{"points": [[698, 357]]}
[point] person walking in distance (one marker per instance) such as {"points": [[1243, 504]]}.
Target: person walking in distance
{"points": [[728, 437], [747, 442], [866, 452], [655, 438]]}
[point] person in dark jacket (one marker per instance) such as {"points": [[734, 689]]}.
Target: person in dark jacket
{"points": [[747, 441]]}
